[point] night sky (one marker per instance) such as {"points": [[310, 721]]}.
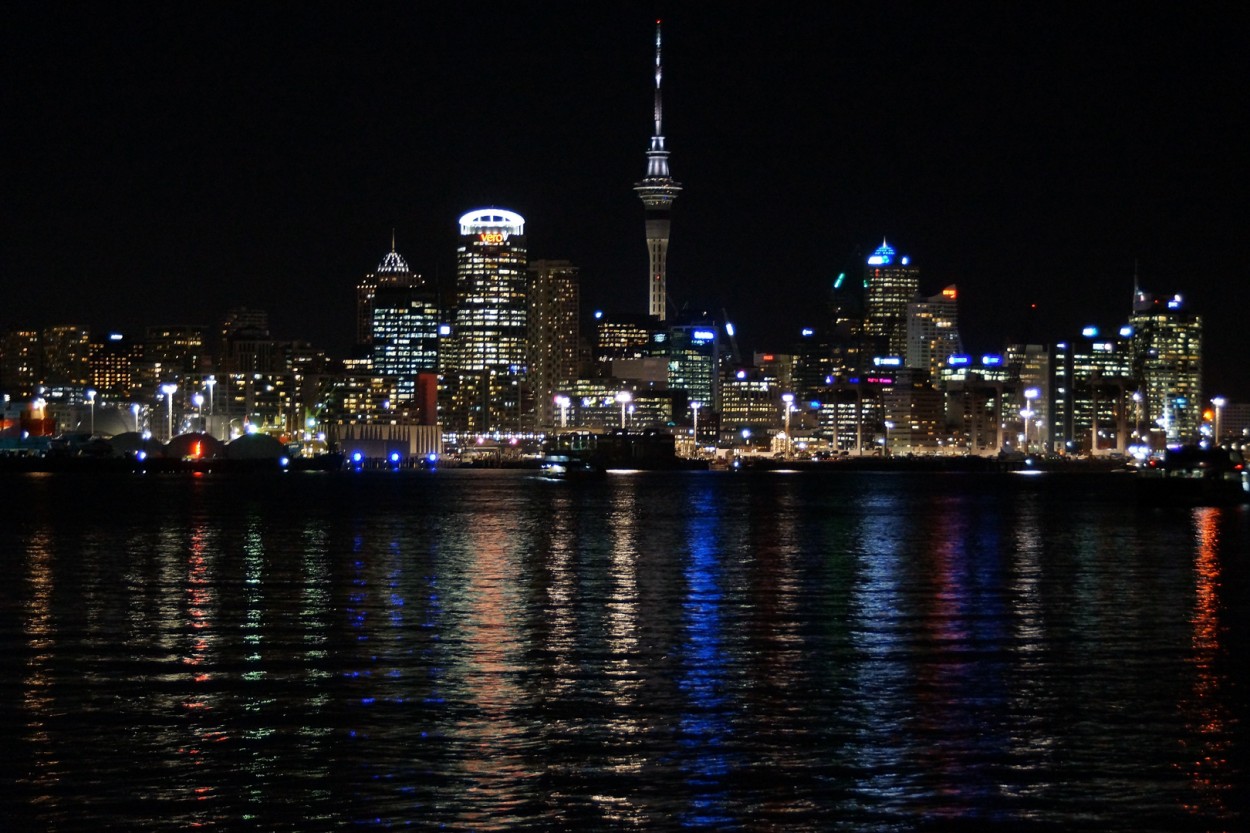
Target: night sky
{"points": [[164, 163]]}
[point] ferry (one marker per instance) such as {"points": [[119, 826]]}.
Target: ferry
{"points": [[1193, 475]]}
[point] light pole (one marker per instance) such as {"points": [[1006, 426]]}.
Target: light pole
{"points": [[624, 397], [134, 409], [1029, 395], [787, 400], [91, 402], [886, 448], [563, 403], [695, 406], [198, 399], [169, 390], [209, 382], [1219, 402]]}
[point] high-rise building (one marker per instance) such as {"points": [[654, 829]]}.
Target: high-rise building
{"points": [[933, 331], [554, 334], [620, 337], [66, 357], [891, 283], [21, 363], [406, 319], [1167, 359], [1090, 404], [657, 191], [485, 361], [112, 363], [392, 271]]}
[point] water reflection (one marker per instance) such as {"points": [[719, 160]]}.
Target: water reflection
{"points": [[705, 724], [1207, 746]]}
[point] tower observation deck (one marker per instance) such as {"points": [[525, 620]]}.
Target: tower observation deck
{"points": [[657, 191]]}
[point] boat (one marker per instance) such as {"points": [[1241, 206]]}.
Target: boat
{"points": [[569, 467], [1193, 475]]}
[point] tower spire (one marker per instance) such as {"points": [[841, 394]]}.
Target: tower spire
{"points": [[657, 191]]}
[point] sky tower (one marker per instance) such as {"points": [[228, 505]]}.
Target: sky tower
{"points": [[657, 190]]}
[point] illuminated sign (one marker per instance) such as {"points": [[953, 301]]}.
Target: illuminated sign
{"points": [[1090, 332], [950, 292], [704, 335], [958, 360], [808, 332], [492, 238], [887, 361], [991, 360]]}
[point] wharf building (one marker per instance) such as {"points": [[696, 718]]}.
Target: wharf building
{"points": [[657, 190], [484, 362]]}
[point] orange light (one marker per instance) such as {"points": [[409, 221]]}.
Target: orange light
{"points": [[949, 292], [493, 237]]}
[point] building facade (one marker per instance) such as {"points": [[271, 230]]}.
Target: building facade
{"points": [[484, 367]]}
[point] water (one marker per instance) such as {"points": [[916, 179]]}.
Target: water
{"points": [[467, 650]]}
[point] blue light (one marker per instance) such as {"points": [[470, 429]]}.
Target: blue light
{"points": [[1090, 332], [958, 360], [887, 361], [357, 457], [883, 256], [905, 260], [598, 314], [991, 360], [837, 283], [284, 461], [729, 328], [704, 335], [394, 456], [808, 332]]}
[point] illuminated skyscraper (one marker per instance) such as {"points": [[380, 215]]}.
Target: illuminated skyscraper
{"points": [[891, 283], [485, 361], [1167, 359], [933, 331], [392, 271], [657, 191], [554, 334]]}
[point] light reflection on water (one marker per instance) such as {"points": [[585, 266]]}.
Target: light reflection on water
{"points": [[488, 651]]}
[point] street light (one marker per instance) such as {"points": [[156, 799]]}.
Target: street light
{"points": [[624, 397], [134, 409], [210, 381], [1029, 395], [563, 403], [886, 449], [169, 390], [198, 399], [91, 402], [695, 406], [788, 400]]}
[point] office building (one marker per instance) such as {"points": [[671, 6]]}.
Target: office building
{"points": [[933, 332], [1167, 359], [891, 282], [484, 369], [554, 334], [392, 271]]}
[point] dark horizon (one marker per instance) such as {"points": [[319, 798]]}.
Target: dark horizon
{"points": [[166, 164]]}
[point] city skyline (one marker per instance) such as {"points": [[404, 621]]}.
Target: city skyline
{"points": [[183, 162]]}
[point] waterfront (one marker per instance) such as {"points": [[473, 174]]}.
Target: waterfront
{"points": [[487, 650]]}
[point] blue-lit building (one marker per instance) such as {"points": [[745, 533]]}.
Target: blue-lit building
{"points": [[891, 282]]}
